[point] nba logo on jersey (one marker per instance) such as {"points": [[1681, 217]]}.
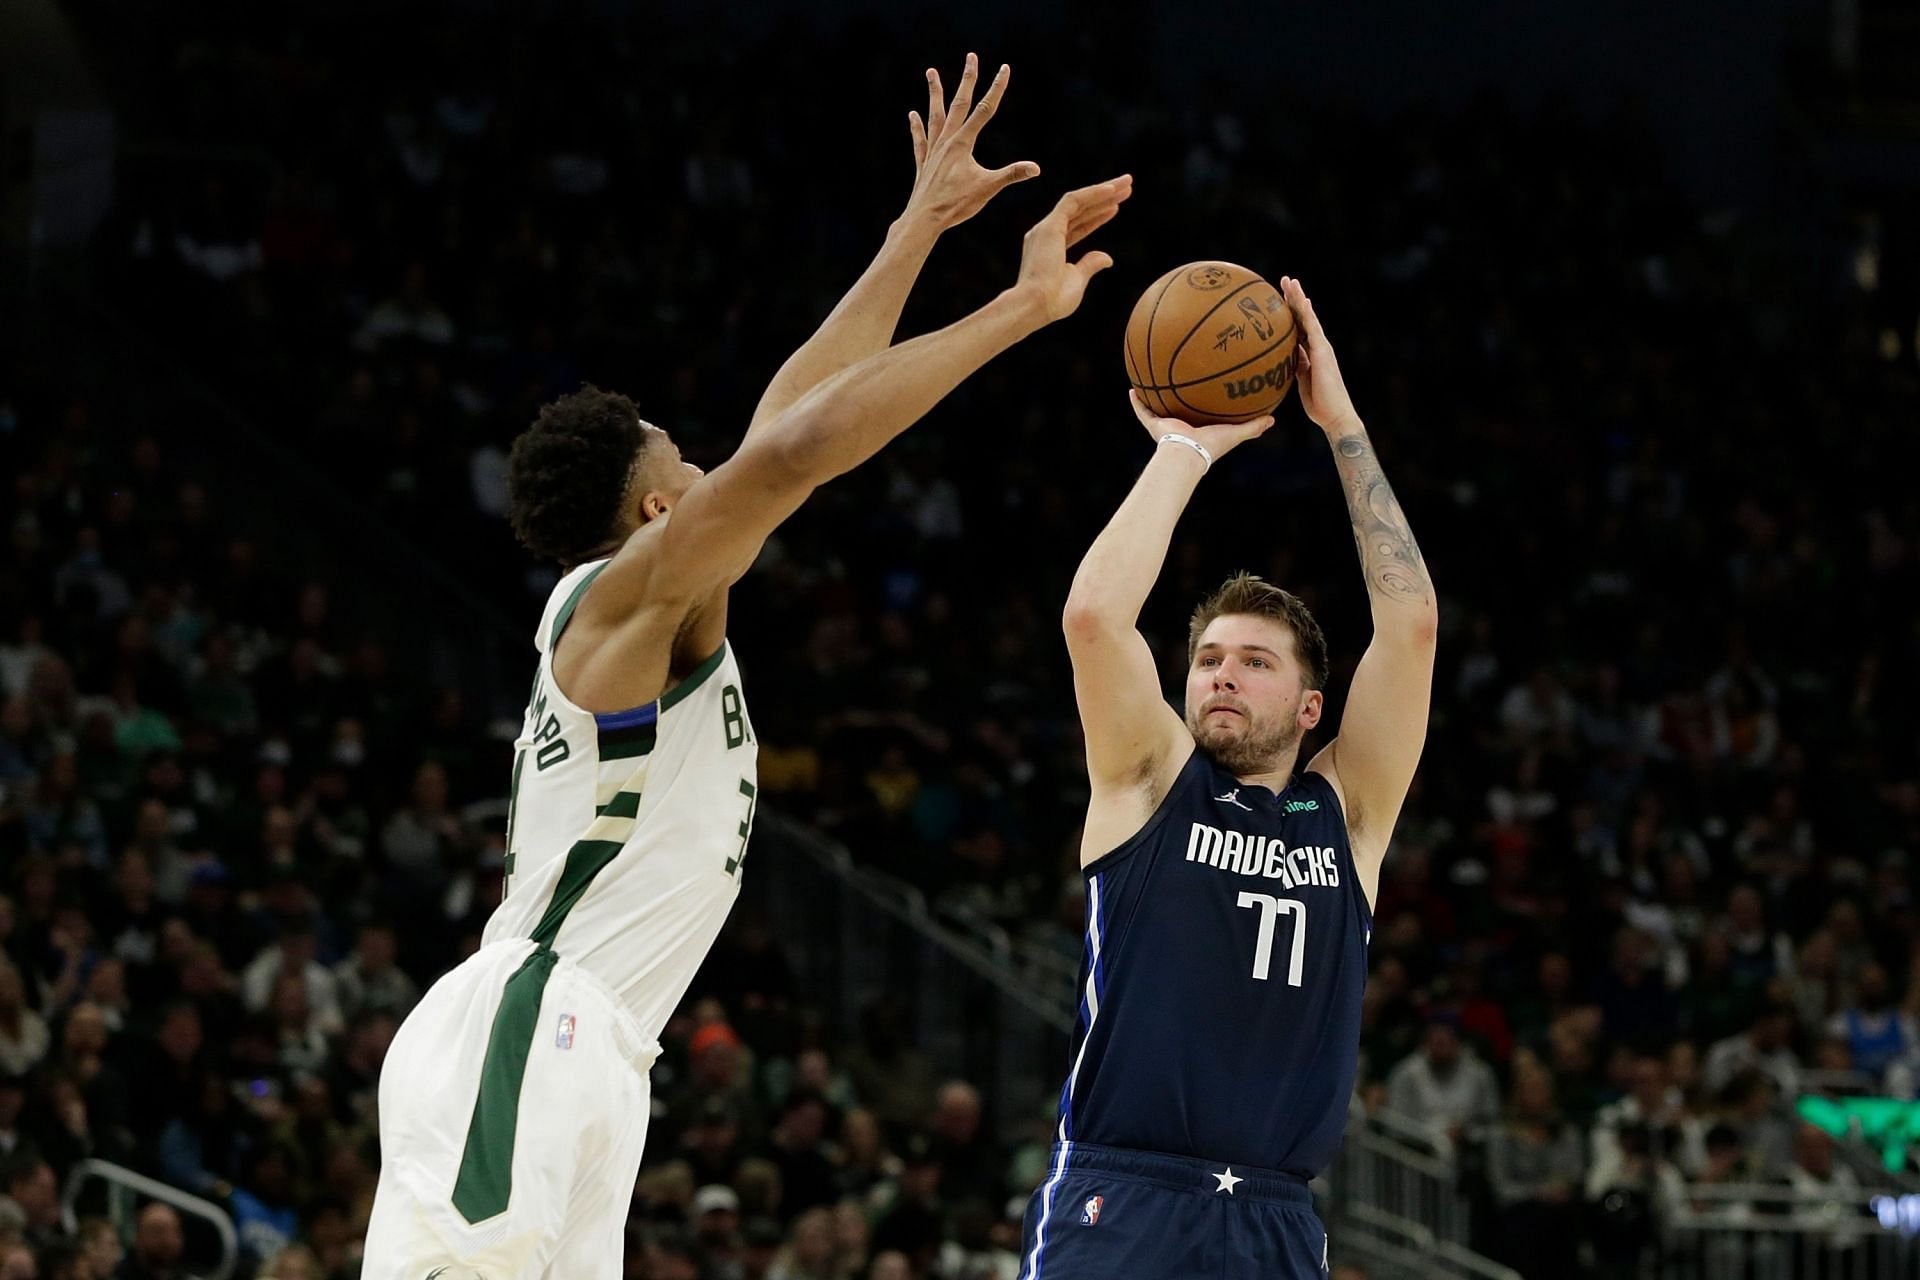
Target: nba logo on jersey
{"points": [[563, 1038], [1090, 1215]]}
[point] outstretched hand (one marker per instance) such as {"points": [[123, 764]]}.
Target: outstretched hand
{"points": [[949, 185], [1323, 392], [1219, 439], [1054, 283]]}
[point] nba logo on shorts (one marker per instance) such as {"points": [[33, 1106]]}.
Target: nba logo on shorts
{"points": [[1090, 1213], [563, 1038]]}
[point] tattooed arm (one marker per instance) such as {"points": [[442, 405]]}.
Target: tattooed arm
{"points": [[1397, 582], [1384, 724]]}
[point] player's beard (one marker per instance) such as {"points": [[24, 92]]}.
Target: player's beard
{"points": [[1256, 748]]}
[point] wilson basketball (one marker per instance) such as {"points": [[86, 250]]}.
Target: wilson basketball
{"points": [[1211, 342]]}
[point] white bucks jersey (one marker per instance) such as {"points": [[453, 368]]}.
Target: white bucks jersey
{"points": [[627, 829]]}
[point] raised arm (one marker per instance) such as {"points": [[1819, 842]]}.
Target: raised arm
{"points": [[1384, 724], [949, 187], [657, 601], [717, 528], [1136, 742]]}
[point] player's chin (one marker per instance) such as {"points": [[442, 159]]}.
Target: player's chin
{"points": [[1217, 732]]}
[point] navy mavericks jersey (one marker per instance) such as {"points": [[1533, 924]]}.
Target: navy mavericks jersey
{"points": [[1226, 957]]}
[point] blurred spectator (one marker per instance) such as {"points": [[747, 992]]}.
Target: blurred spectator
{"points": [[718, 1084], [293, 1263], [852, 1236], [1815, 1172], [17, 1262], [261, 1205], [914, 1221], [1815, 984], [100, 1246], [13, 1101], [370, 980], [1445, 1085], [1876, 1032], [810, 1253], [715, 1216], [1658, 1110], [894, 1078], [422, 838], [865, 1161], [1752, 1108], [293, 955], [31, 1202], [1720, 1191], [23, 1033], [1536, 1165], [1633, 995], [157, 1246], [711, 1143], [1759, 952], [673, 1256], [972, 1165], [354, 1078], [1762, 1047], [799, 1150], [1625, 1193], [760, 1243]]}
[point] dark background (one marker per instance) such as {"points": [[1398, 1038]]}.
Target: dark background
{"points": [[1627, 295]]}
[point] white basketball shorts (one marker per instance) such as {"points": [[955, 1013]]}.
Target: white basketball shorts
{"points": [[513, 1111]]}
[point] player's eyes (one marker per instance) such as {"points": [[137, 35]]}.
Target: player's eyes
{"points": [[1257, 662]]}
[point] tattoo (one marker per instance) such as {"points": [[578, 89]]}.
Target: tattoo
{"points": [[1389, 557]]}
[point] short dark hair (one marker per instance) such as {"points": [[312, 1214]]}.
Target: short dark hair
{"points": [[1249, 593], [569, 472]]}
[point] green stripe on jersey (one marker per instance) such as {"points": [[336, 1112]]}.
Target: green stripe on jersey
{"points": [[694, 679], [627, 744], [513, 797], [561, 619], [584, 862], [484, 1184], [625, 804]]}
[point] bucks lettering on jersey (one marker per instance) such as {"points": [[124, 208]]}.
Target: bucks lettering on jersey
{"points": [[627, 830]]}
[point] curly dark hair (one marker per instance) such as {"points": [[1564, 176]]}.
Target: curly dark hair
{"points": [[569, 472]]}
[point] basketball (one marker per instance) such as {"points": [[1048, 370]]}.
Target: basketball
{"points": [[1211, 342]]}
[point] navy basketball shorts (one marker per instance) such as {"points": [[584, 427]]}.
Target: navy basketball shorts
{"points": [[1104, 1212]]}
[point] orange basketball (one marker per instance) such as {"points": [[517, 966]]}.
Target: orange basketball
{"points": [[1211, 342]]}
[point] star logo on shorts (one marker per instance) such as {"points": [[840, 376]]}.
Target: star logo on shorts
{"points": [[1227, 1181]]}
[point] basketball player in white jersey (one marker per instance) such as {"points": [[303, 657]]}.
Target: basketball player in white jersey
{"points": [[514, 1102]]}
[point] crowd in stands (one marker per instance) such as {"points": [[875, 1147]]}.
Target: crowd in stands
{"points": [[1655, 880]]}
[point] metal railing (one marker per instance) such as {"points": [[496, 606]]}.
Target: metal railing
{"points": [[1396, 1166], [1768, 1232], [856, 936], [1389, 1247], [1837, 1082], [125, 1188]]}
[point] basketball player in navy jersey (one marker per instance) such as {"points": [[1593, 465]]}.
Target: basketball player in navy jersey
{"points": [[1229, 893]]}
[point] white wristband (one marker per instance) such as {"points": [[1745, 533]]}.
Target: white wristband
{"points": [[1206, 459]]}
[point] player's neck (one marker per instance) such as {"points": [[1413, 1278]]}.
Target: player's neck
{"points": [[1276, 776]]}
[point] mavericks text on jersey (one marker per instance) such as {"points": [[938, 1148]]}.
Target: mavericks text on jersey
{"points": [[1226, 957]]}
